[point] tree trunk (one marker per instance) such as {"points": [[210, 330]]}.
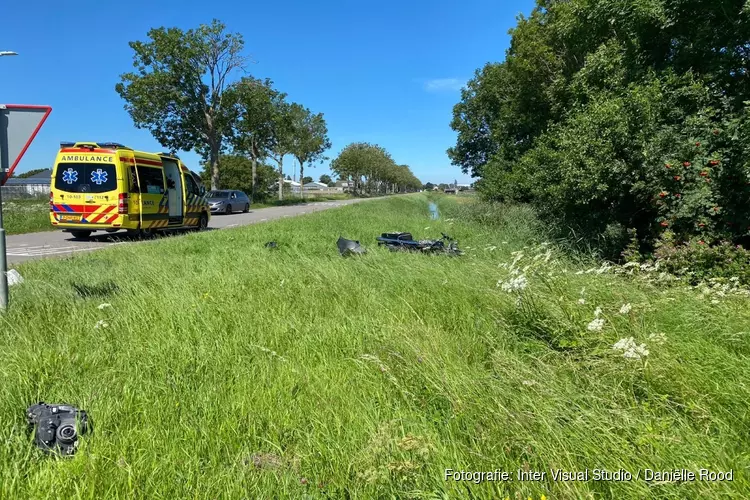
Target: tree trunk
{"points": [[255, 179], [281, 177], [214, 160], [254, 158], [301, 184]]}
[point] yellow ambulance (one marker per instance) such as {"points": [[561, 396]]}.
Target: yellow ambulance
{"points": [[108, 186]]}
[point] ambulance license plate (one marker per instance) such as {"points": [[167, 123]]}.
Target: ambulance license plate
{"points": [[70, 218]]}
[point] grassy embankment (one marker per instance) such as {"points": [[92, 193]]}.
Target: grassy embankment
{"points": [[223, 369], [29, 216], [26, 216]]}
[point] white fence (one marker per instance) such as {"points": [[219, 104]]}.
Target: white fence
{"points": [[19, 191]]}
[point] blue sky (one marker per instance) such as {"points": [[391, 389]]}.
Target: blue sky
{"points": [[385, 72]]}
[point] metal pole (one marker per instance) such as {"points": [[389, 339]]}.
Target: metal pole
{"points": [[3, 258]]}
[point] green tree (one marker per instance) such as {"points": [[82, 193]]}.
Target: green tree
{"points": [[371, 167], [597, 103], [178, 89], [236, 173], [325, 179], [306, 179], [254, 133], [28, 174], [282, 124], [309, 137]]}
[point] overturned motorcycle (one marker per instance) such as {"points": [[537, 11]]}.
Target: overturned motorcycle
{"points": [[405, 241]]}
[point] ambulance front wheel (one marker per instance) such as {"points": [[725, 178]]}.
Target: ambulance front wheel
{"points": [[81, 235], [203, 222]]}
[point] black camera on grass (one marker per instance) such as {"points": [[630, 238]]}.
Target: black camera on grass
{"points": [[57, 427]]}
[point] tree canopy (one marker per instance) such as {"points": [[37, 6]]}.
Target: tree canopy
{"points": [[177, 90], [372, 169], [608, 116], [28, 174], [309, 137], [236, 172], [254, 134]]}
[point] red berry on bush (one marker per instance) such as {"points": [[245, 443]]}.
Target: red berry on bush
{"points": [[663, 194], [677, 177], [704, 173], [687, 163], [702, 242], [664, 224], [698, 144], [701, 225], [713, 162], [716, 132]]}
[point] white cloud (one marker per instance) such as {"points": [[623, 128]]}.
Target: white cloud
{"points": [[443, 84]]}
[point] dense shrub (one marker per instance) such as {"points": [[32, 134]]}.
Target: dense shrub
{"points": [[609, 116], [699, 261]]}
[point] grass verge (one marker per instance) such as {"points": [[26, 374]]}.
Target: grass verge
{"points": [[26, 216], [29, 216], [223, 369]]}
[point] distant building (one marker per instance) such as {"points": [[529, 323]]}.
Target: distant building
{"points": [[344, 185], [294, 186], [315, 186], [35, 185]]}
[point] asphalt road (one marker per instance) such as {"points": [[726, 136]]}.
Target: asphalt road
{"points": [[22, 247]]}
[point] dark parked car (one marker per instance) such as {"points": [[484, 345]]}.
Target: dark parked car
{"points": [[227, 201]]}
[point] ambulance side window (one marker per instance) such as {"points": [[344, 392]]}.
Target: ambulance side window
{"points": [[199, 189], [190, 186], [133, 180], [152, 180]]}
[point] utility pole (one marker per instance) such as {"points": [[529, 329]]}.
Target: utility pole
{"points": [[3, 257]]}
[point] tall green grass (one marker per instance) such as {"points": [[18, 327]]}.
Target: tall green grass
{"points": [[228, 370], [26, 216]]}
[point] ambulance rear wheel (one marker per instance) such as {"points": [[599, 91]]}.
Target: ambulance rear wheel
{"points": [[81, 235], [203, 222]]}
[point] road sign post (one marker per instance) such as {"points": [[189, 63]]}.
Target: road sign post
{"points": [[19, 124]]}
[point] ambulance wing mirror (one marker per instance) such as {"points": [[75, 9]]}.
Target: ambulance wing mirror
{"points": [[202, 190]]}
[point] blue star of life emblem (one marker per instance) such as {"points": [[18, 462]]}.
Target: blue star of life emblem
{"points": [[98, 176], [70, 176]]}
